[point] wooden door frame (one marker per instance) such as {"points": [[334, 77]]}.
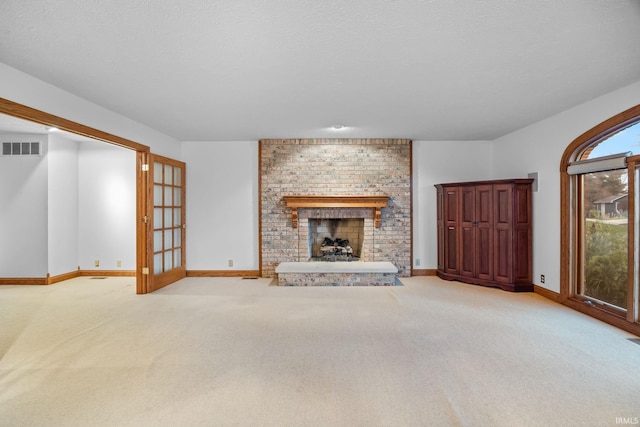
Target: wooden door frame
{"points": [[24, 112]]}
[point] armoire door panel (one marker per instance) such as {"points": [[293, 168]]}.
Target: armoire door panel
{"points": [[439, 206], [441, 246], [484, 237], [467, 231], [502, 250], [523, 206], [440, 225], [468, 204], [451, 205], [484, 253], [484, 205], [467, 251], [502, 206], [523, 270], [451, 252]]}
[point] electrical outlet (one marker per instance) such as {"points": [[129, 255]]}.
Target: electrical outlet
{"points": [[417, 262], [542, 278], [97, 263], [118, 263], [230, 263]]}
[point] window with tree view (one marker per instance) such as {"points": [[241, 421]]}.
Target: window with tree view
{"points": [[599, 227], [604, 218], [605, 237]]}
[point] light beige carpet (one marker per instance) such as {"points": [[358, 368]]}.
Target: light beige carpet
{"points": [[239, 352]]}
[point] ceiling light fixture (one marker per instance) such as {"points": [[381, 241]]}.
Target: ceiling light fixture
{"points": [[337, 127], [52, 129]]}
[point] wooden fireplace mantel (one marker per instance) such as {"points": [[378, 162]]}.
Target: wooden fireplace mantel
{"points": [[375, 202]]}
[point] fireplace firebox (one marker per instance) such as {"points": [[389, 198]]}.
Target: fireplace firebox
{"points": [[335, 239]]}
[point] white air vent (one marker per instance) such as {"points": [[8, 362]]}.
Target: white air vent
{"points": [[21, 148]]}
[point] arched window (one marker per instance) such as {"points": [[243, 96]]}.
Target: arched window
{"points": [[600, 190]]}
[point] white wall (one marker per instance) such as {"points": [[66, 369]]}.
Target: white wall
{"points": [[66, 208], [24, 89], [107, 207], [222, 197], [222, 205], [63, 205], [437, 162], [538, 148], [23, 211]]}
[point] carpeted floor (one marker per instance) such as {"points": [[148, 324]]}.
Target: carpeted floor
{"points": [[228, 351]]}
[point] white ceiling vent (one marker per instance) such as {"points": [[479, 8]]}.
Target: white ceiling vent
{"points": [[21, 148]]}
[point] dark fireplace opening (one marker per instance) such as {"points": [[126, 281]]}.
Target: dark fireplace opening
{"points": [[335, 239]]}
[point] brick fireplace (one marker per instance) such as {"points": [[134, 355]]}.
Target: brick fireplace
{"points": [[378, 170]]}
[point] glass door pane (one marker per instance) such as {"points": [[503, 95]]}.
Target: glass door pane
{"points": [[157, 172], [605, 237]]}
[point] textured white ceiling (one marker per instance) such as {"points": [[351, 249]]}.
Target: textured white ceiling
{"points": [[250, 69]]}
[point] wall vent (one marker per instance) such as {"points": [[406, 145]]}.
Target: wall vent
{"points": [[21, 148]]}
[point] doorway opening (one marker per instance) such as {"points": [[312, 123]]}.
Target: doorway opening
{"points": [[144, 198]]}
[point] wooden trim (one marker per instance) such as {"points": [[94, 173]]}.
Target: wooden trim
{"points": [[632, 295], [259, 208], [598, 313], [62, 277], [566, 222], [486, 182], [609, 126], [165, 279], [50, 280], [316, 201], [603, 315], [634, 158], [423, 272], [411, 208], [168, 160], [23, 281], [547, 293], [109, 273], [223, 273], [23, 112], [143, 223]]}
